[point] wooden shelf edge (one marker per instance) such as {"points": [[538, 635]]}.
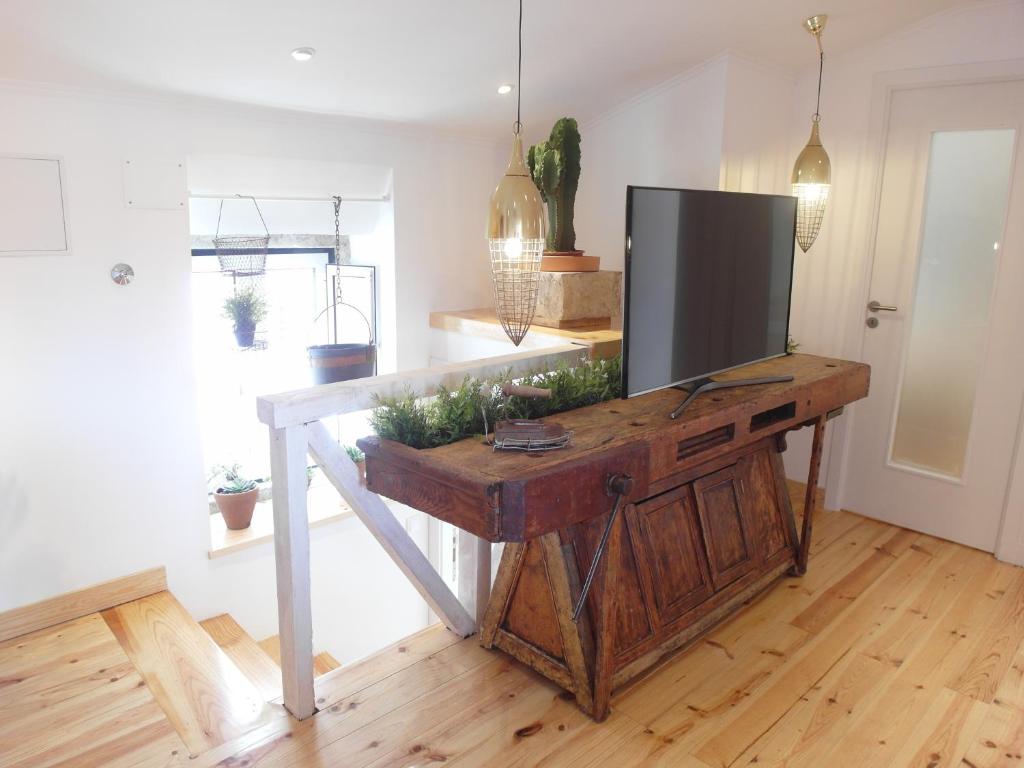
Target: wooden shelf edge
{"points": [[325, 507]]}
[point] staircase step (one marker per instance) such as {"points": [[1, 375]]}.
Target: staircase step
{"points": [[272, 647], [203, 694], [322, 662], [246, 653]]}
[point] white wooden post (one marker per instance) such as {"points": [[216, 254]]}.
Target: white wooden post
{"points": [[371, 510], [288, 448], [474, 577]]}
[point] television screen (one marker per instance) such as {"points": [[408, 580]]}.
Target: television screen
{"points": [[708, 279]]}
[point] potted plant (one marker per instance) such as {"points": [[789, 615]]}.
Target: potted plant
{"points": [[245, 309], [236, 498], [555, 167], [359, 459]]}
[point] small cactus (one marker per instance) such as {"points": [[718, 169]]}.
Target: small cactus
{"points": [[555, 167]]}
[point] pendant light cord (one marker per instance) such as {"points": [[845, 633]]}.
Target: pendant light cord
{"points": [[821, 68], [519, 75]]}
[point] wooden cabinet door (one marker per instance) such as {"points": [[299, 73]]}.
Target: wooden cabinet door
{"points": [[673, 563], [719, 499]]}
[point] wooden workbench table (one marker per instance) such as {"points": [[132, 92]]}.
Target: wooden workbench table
{"points": [[707, 522]]}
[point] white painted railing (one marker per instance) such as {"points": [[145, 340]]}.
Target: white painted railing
{"points": [[296, 429]]}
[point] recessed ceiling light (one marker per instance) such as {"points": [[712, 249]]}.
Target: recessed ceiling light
{"points": [[305, 53], [505, 88]]}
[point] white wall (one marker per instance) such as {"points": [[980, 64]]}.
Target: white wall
{"points": [[669, 136], [100, 465]]}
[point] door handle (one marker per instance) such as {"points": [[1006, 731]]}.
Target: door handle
{"points": [[874, 306]]}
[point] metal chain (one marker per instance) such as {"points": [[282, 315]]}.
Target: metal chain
{"points": [[337, 247], [337, 227]]}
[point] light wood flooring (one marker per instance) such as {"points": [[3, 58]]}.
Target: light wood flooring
{"points": [[896, 649]]}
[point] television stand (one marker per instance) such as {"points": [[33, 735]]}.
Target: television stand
{"points": [[698, 386]]}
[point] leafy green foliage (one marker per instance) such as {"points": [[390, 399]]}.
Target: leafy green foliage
{"points": [[455, 414], [555, 167], [246, 308], [354, 453]]}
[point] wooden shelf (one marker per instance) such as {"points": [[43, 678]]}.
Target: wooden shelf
{"points": [[602, 342], [325, 506]]}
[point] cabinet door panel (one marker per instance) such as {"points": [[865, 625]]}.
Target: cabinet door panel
{"points": [[719, 499], [673, 553]]}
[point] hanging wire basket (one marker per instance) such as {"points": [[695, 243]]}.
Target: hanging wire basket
{"points": [[242, 255]]}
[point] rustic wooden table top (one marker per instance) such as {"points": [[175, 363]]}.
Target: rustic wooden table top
{"points": [[506, 495], [614, 423]]}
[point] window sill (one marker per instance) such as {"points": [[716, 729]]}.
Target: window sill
{"points": [[324, 506]]}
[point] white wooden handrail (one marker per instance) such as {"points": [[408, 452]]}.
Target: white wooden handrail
{"points": [[303, 406], [293, 419]]}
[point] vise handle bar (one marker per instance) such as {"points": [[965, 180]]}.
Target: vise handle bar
{"points": [[618, 486]]}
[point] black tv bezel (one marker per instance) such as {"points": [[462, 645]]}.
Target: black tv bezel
{"points": [[625, 304]]}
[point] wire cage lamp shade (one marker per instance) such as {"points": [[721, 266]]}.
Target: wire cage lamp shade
{"points": [[242, 255], [812, 182], [812, 172], [515, 231], [515, 235]]}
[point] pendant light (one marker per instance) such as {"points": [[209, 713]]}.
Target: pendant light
{"points": [[812, 173], [515, 232]]}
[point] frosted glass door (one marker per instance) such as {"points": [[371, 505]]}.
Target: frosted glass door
{"points": [[967, 188], [932, 446]]}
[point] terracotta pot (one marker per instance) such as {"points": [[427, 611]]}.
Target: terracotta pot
{"points": [[237, 508], [361, 466]]}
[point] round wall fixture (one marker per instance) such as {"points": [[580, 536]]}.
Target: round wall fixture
{"points": [[305, 53], [122, 274]]}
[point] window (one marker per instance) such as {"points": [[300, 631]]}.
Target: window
{"points": [[297, 286]]}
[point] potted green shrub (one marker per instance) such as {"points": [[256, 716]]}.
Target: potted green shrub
{"points": [[236, 498], [359, 459], [245, 309]]}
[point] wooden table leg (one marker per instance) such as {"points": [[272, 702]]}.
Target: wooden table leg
{"points": [[810, 495], [497, 604]]}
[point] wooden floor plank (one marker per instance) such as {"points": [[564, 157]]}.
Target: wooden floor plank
{"points": [[844, 591], [809, 727], [203, 694], [69, 696], [896, 649], [810, 664], [999, 742], [356, 708], [337, 685]]}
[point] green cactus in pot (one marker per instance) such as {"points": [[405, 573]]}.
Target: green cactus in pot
{"points": [[555, 167]]}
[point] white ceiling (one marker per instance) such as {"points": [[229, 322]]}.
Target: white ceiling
{"points": [[436, 62]]}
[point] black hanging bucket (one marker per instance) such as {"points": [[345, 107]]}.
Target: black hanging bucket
{"points": [[341, 362]]}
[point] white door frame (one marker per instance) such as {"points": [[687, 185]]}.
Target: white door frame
{"points": [[1010, 545]]}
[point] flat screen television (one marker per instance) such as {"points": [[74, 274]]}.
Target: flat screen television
{"points": [[708, 284]]}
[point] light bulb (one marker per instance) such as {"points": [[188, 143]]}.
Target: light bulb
{"points": [[513, 248], [811, 193]]}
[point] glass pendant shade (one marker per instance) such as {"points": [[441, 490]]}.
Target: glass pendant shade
{"points": [[515, 234], [812, 181]]}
